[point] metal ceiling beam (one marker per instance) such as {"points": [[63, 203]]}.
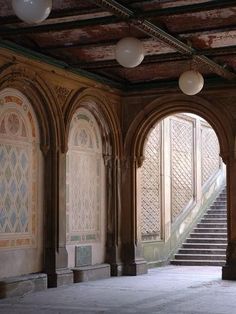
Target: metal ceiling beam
{"points": [[152, 30]]}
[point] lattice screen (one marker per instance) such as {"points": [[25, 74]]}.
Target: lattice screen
{"points": [[210, 152], [181, 164], [150, 187]]}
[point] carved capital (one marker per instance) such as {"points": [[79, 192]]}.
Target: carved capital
{"points": [[45, 149]]}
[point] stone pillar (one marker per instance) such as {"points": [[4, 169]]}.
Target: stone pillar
{"points": [[113, 251], [229, 270], [55, 220], [134, 263]]}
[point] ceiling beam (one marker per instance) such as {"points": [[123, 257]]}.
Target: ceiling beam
{"points": [[190, 8], [59, 26], [55, 14], [152, 30], [47, 28]]}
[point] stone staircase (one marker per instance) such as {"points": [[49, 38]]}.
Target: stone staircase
{"points": [[206, 245]]}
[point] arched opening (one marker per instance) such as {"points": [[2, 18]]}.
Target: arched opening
{"points": [[85, 189], [21, 187], [178, 181]]}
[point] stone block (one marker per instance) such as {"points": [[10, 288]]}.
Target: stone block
{"points": [[93, 272], [21, 285]]}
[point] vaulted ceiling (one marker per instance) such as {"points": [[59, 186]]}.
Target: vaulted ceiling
{"points": [[177, 35]]}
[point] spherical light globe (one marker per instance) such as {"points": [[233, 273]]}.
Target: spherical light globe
{"points": [[191, 82], [32, 11], [129, 52]]}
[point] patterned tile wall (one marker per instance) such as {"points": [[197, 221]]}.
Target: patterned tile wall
{"points": [[210, 151], [84, 179], [19, 147], [150, 187]]}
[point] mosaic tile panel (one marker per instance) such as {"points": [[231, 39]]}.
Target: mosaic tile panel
{"points": [[150, 187], [84, 179], [210, 151], [19, 147], [182, 184]]}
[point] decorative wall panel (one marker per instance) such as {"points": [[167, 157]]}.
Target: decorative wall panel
{"points": [[150, 187], [84, 179], [19, 172], [210, 151], [182, 141]]}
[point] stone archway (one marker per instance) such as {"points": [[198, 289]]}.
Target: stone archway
{"points": [[99, 109], [134, 143]]}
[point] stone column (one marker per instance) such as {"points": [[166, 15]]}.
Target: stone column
{"points": [[134, 263], [55, 219], [229, 270], [113, 243]]}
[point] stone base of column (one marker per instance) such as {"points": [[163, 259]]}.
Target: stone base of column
{"points": [[229, 272], [116, 269], [136, 268], [62, 277]]}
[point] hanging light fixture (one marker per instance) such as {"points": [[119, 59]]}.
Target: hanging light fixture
{"points": [[129, 52], [32, 11], [191, 82]]}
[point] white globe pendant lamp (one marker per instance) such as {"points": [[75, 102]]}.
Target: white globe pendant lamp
{"points": [[191, 82], [129, 52], [32, 11]]}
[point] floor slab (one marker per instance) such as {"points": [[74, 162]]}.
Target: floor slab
{"points": [[165, 290]]}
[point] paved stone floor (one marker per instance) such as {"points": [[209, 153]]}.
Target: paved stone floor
{"points": [[165, 290]]}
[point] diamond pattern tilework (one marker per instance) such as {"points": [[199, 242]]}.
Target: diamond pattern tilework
{"points": [[210, 153], [13, 188], [181, 164], [150, 187], [19, 149]]}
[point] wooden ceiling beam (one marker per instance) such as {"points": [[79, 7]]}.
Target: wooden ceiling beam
{"points": [[60, 26]]}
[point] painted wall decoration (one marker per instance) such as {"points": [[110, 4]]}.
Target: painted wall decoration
{"points": [[84, 179], [19, 171]]}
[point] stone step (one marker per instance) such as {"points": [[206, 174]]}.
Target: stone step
{"points": [[212, 246], [193, 251], [210, 230], [222, 207], [220, 203], [216, 212], [199, 240], [208, 235], [198, 263], [214, 221], [214, 216], [212, 225], [202, 257]]}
